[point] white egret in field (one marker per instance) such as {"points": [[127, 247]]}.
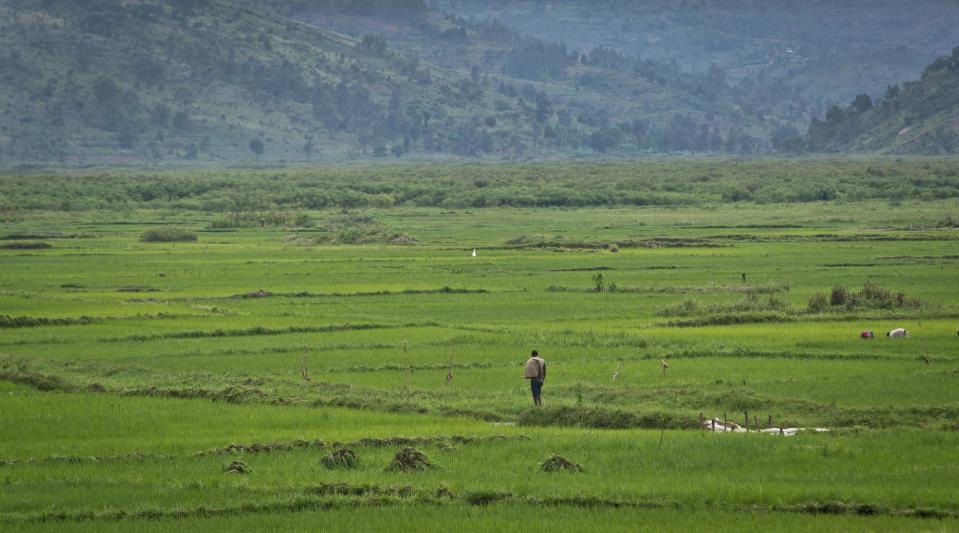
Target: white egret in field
{"points": [[474, 252]]}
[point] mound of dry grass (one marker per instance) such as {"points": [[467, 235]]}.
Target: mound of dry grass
{"points": [[558, 463], [409, 460]]}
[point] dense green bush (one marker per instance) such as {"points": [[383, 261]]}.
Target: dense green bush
{"points": [[237, 192], [871, 296], [838, 296], [258, 219]]}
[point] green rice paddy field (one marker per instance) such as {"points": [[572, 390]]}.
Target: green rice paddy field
{"points": [[133, 374]]}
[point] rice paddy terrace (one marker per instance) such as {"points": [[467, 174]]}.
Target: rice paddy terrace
{"points": [[360, 368]]}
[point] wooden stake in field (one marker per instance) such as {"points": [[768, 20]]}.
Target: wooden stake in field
{"points": [[747, 420]]}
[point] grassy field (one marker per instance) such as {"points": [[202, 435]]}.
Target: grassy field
{"points": [[132, 374]]}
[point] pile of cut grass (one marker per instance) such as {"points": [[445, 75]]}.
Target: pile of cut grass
{"points": [[409, 460], [558, 463], [237, 467]]}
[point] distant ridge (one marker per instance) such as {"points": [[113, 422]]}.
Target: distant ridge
{"points": [[921, 117]]}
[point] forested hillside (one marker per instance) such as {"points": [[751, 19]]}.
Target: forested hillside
{"points": [[113, 81], [118, 81], [824, 51], [921, 116], [221, 80], [596, 99]]}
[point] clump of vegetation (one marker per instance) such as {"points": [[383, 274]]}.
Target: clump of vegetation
{"points": [[546, 241], [599, 282], [409, 460], [356, 229], [341, 457], [237, 467], [871, 296], [750, 303], [265, 447], [7, 321], [444, 491], [259, 293], [948, 221], [353, 229], [137, 288], [168, 235], [402, 238], [601, 285], [261, 219], [558, 463], [27, 236], [25, 246], [303, 221], [486, 497], [688, 307], [601, 418], [562, 242], [731, 318]]}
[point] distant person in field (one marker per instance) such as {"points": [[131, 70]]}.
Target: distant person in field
{"points": [[536, 374]]}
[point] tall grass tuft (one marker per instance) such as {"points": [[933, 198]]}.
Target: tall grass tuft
{"points": [[341, 457]]}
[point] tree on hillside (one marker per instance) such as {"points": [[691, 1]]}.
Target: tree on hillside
{"points": [[257, 146], [862, 103], [786, 139], [605, 139], [308, 145], [181, 122], [105, 91]]}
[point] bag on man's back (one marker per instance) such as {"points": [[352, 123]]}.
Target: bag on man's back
{"points": [[532, 369]]}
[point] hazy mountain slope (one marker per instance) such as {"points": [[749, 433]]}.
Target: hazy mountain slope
{"points": [[113, 81], [828, 50], [920, 117], [151, 80], [653, 105], [145, 80]]}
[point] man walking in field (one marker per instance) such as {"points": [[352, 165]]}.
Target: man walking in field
{"points": [[536, 374]]}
